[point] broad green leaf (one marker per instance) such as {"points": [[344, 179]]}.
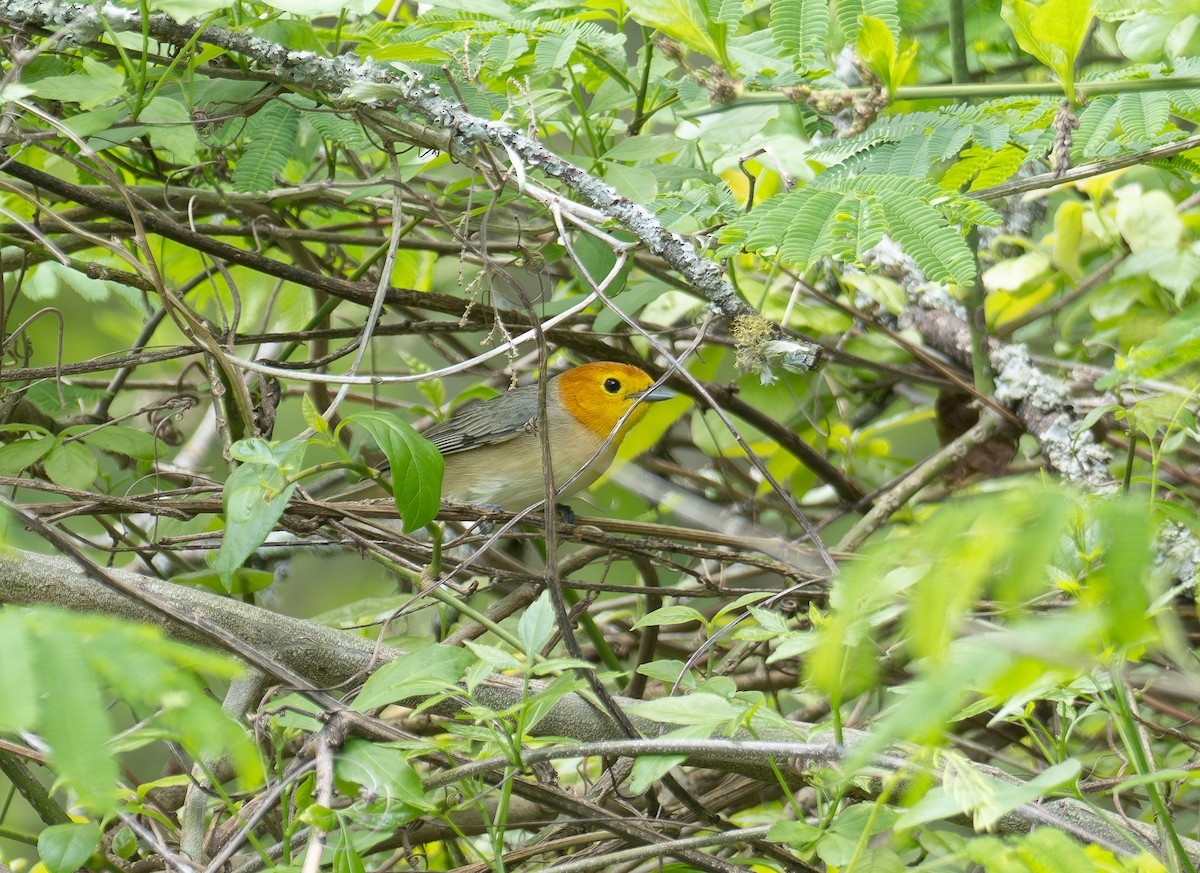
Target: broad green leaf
{"points": [[1052, 32], [1147, 37], [536, 625], [668, 672], [740, 602], [11, 91], [1148, 219], [670, 615], [120, 440], [384, 772], [644, 148], [182, 10], [19, 690], [690, 709], [73, 719], [877, 46], [22, 454], [65, 848], [797, 834], [497, 659], [170, 126], [637, 183], [95, 86], [87, 124], [316, 8], [71, 465], [253, 501], [686, 22], [432, 670], [347, 858], [571, 681], [416, 466], [255, 450], [1008, 797], [1121, 587], [650, 769]]}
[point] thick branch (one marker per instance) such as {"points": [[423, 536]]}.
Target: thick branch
{"points": [[329, 658]]}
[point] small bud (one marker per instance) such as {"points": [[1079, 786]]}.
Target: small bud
{"points": [[668, 48]]}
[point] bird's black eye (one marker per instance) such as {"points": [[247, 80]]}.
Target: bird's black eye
{"points": [[612, 386]]}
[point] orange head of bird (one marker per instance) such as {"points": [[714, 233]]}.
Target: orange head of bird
{"points": [[598, 395]]}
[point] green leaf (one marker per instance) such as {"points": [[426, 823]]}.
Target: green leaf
{"points": [[1010, 796], [554, 50], [120, 440], [432, 670], [845, 217], [850, 14], [670, 615], [170, 127], [699, 708], [22, 454], [346, 858], [384, 772], [71, 466], [95, 86], [65, 848], [686, 22], [649, 769], [252, 502], [667, 672], [74, 719], [1052, 32], [497, 659], [537, 625], [637, 183], [19, 691], [416, 466], [313, 417], [124, 842], [644, 148], [877, 46], [1121, 587], [797, 834]]}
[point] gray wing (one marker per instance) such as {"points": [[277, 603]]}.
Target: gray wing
{"points": [[486, 422]]}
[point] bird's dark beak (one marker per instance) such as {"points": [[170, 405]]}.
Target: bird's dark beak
{"points": [[652, 394]]}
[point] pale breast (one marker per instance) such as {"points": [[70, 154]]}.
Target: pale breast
{"points": [[509, 474]]}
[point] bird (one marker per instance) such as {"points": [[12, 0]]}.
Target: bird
{"points": [[493, 450]]}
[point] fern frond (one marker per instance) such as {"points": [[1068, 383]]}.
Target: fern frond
{"points": [[270, 138], [801, 27], [982, 168], [843, 218], [911, 156], [343, 131], [1143, 116], [848, 13]]}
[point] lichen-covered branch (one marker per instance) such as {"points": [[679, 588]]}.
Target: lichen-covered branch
{"points": [[1040, 401], [355, 82]]}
